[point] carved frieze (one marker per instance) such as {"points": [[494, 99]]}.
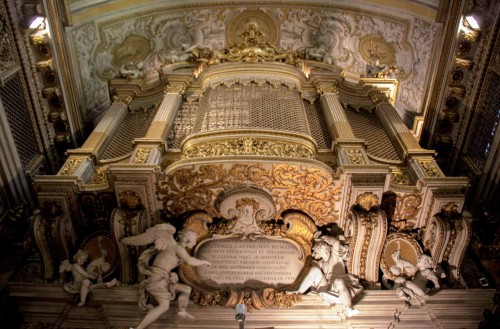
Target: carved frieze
{"points": [[250, 146]]}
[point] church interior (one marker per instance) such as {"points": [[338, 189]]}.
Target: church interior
{"points": [[259, 163]]}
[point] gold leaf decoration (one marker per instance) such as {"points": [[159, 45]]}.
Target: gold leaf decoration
{"points": [[280, 299], [249, 146], [69, 167], [304, 188], [407, 207]]}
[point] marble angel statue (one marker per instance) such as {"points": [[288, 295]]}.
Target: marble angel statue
{"points": [[415, 288], [85, 279], [161, 283], [327, 276]]}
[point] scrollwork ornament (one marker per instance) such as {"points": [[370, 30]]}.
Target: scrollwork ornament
{"points": [[293, 187]]}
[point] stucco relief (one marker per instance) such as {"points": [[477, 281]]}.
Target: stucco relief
{"points": [[343, 38], [153, 39], [95, 91], [7, 59], [334, 37]]}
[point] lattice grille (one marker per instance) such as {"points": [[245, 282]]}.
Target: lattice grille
{"points": [[318, 125], [19, 121], [252, 106], [135, 125], [183, 124], [486, 125], [367, 126]]}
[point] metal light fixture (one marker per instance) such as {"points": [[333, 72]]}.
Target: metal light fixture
{"points": [[241, 312]]}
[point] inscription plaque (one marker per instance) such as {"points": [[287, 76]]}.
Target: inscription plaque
{"points": [[256, 262]]}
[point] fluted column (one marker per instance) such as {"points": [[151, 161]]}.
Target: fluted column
{"points": [[164, 119], [107, 126], [148, 149], [336, 118], [405, 143]]}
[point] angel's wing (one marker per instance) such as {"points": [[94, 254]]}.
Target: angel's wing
{"points": [[160, 234]]}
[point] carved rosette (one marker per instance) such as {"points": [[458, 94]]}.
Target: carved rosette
{"points": [[249, 142], [254, 268]]}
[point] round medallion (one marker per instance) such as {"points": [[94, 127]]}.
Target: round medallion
{"points": [[374, 46], [134, 48], [239, 25]]}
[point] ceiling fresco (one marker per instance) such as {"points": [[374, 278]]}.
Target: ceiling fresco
{"points": [[347, 35]]}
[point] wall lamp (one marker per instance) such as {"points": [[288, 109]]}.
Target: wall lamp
{"points": [[37, 22], [471, 20], [241, 312]]}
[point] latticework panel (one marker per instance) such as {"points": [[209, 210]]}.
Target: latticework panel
{"points": [[486, 125], [19, 121], [318, 125], [183, 124], [252, 106], [367, 126], [135, 125]]}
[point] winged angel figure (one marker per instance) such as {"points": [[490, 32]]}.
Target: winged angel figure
{"points": [[161, 283]]}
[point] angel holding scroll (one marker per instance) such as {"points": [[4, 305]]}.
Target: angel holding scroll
{"points": [[160, 283]]}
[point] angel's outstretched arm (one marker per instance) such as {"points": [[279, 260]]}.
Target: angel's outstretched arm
{"points": [[193, 261]]}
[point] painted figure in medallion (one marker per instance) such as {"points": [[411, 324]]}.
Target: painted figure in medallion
{"points": [[161, 283]]}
